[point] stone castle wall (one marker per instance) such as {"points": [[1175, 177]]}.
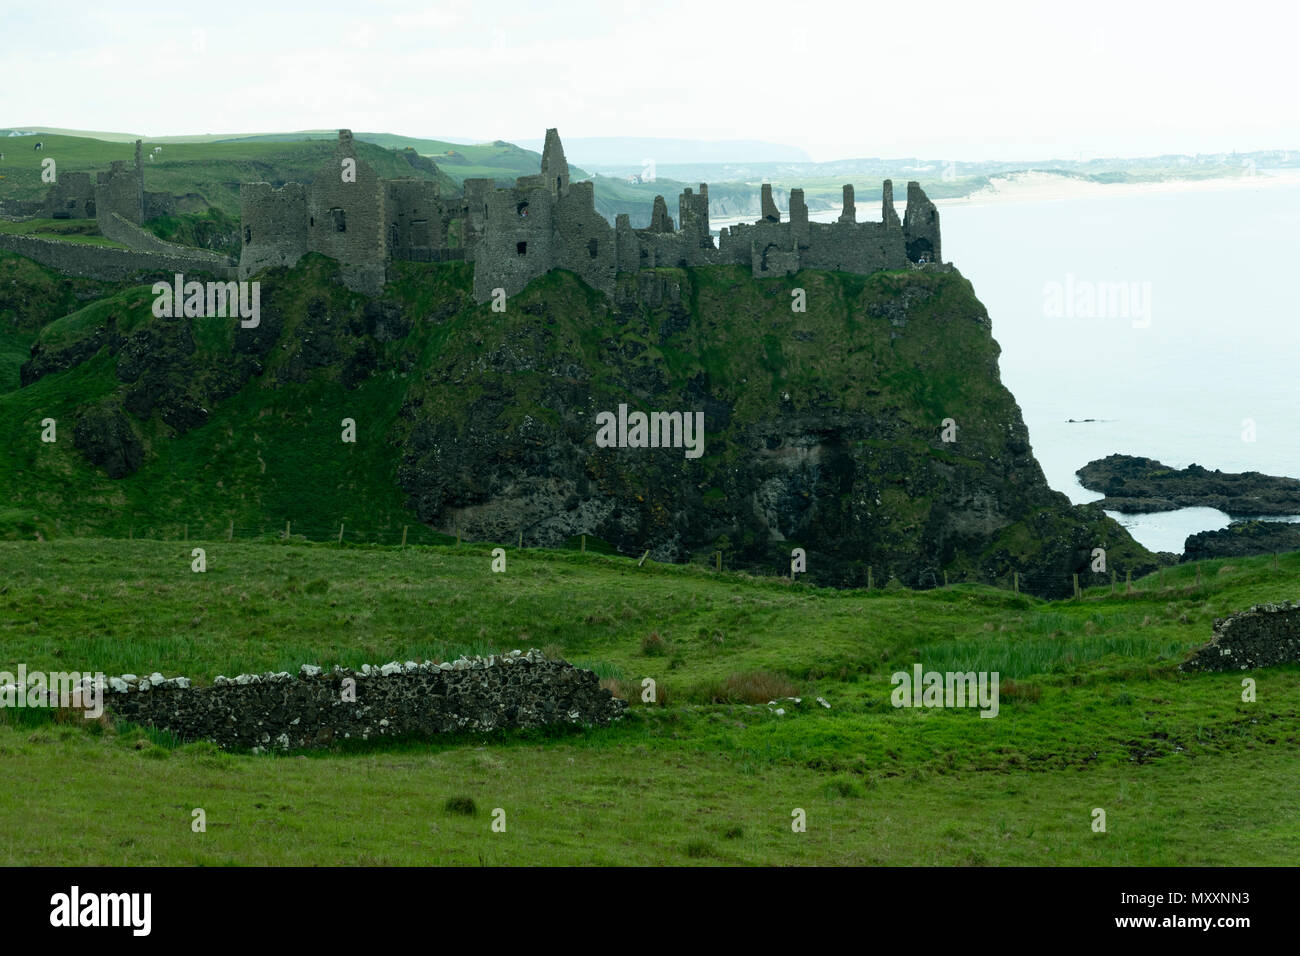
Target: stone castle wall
{"points": [[274, 225], [133, 237], [109, 264], [316, 708]]}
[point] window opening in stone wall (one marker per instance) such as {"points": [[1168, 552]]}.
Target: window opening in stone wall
{"points": [[521, 248], [340, 219], [591, 248]]}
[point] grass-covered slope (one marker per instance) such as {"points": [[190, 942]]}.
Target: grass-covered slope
{"points": [[824, 428], [207, 174], [1093, 714]]}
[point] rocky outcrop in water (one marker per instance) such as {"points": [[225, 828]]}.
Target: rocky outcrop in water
{"points": [[1242, 539], [1142, 485]]}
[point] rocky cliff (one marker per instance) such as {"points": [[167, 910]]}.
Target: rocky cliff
{"points": [[859, 418]]}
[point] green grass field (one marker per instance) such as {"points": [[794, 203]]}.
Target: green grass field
{"points": [[66, 230], [1093, 714]]}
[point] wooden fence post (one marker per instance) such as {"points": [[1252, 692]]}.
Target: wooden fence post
{"points": [[403, 536], [1076, 586], [584, 544], [643, 557], [1016, 579], [340, 532], [870, 582]]}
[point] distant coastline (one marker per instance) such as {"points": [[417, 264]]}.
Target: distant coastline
{"points": [[1050, 187]]}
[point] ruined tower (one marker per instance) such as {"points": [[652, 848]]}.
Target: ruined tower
{"points": [[921, 226], [555, 168]]}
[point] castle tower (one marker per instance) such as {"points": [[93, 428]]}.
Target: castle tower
{"points": [[887, 212], [770, 212], [799, 218], [850, 213], [555, 168], [660, 221], [921, 226]]}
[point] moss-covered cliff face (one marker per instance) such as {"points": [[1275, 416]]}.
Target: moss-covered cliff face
{"points": [[823, 428]]}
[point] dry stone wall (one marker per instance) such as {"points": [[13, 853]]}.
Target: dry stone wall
{"points": [[1265, 635], [317, 708]]}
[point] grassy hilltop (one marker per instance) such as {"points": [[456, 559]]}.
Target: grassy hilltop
{"points": [[1093, 713]]}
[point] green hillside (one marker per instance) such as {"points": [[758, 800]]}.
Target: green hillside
{"points": [[168, 422], [204, 174], [1093, 714]]}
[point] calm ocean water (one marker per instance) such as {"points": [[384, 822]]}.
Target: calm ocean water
{"points": [[1202, 368], [1207, 374]]}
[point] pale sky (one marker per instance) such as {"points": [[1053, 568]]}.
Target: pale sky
{"points": [[936, 79]]}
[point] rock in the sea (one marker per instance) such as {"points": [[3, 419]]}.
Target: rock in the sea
{"points": [[1242, 539], [1135, 485]]}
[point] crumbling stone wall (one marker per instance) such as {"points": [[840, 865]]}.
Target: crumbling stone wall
{"points": [[345, 220], [274, 226], [417, 219], [72, 197], [920, 225], [121, 190], [1265, 635], [104, 262], [316, 708], [133, 237], [545, 222]]}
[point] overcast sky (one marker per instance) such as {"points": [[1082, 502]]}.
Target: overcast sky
{"points": [[840, 79]]}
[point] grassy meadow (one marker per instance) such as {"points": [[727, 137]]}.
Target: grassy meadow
{"points": [[1093, 714]]}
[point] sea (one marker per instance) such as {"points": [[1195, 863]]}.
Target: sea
{"points": [[1160, 324]]}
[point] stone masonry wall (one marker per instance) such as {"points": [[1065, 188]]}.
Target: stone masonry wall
{"points": [[313, 709], [1265, 635], [104, 262], [133, 237]]}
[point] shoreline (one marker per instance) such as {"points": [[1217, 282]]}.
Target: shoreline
{"points": [[1054, 187]]}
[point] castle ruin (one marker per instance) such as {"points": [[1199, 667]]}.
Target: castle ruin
{"points": [[118, 190], [546, 221]]}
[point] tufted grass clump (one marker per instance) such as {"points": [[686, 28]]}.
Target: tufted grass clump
{"points": [[462, 806], [653, 645]]}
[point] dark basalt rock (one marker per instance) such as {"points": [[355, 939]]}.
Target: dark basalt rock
{"points": [[1143, 485], [1242, 539], [104, 435]]}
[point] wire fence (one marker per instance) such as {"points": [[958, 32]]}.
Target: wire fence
{"points": [[1082, 586]]}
